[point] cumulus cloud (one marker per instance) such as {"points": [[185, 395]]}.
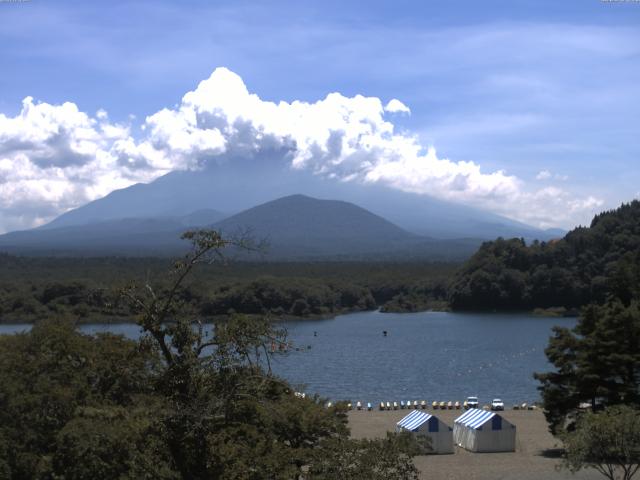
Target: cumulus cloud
{"points": [[396, 106], [55, 157]]}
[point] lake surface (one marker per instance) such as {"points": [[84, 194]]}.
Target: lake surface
{"points": [[430, 355]]}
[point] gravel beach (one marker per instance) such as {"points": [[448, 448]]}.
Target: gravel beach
{"points": [[533, 459]]}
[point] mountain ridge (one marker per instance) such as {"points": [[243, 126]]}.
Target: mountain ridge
{"points": [[299, 227], [227, 187]]}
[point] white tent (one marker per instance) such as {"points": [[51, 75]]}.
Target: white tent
{"points": [[423, 424], [482, 431]]}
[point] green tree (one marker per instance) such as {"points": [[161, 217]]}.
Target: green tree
{"points": [[381, 459], [608, 442], [597, 363], [227, 416]]}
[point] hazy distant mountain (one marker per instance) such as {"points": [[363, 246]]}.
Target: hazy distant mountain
{"points": [[238, 185], [296, 227], [136, 236]]}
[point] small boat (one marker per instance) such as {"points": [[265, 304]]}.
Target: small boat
{"points": [[457, 405], [395, 405], [388, 405], [415, 404], [402, 405], [381, 406], [523, 406], [369, 407], [423, 404], [359, 405], [434, 405]]}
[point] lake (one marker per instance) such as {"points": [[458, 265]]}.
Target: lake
{"points": [[429, 355]]}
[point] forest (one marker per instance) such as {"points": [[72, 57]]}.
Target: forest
{"points": [[87, 289], [588, 265]]}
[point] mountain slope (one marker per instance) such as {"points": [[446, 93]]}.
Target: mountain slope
{"points": [[134, 236], [236, 185], [296, 227]]}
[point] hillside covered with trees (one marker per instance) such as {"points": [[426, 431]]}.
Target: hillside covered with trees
{"points": [[590, 264]]}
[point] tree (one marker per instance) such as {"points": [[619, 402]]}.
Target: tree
{"points": [[608, 442], [185, 402], [49, 375], [386, 459], [598, 363], [227, 415]]}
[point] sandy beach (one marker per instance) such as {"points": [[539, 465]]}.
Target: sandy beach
{"points": [[533, 459]]}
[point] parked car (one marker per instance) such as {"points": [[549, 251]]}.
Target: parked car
{"points": [[497, 404], [472, 402]]}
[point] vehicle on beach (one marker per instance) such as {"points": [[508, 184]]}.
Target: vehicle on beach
{"points": [[423, 404], [497, 404], [471, 402], [434, 405]]}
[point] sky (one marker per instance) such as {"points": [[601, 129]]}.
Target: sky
{"points": [[526, 108]]}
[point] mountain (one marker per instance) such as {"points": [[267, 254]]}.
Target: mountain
{"points": [[296, 227], [237, 185], [133, 236]]}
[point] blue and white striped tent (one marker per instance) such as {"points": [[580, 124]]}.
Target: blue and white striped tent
{"points": [[483, 431], [424, 424]]}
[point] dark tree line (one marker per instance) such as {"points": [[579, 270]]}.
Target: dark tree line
{"points": [[87, 289], [587, 265]]}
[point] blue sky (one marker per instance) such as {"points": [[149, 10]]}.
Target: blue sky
{"points": [[546, 91]]}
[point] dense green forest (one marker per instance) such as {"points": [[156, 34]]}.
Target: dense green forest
{"points": [[587, 265], [87, 289]]}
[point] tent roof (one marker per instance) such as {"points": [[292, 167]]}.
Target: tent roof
{"points": [[414, 420], [474, 418]]}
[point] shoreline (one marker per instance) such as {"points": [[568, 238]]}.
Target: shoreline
{"points": [[536, 456]]}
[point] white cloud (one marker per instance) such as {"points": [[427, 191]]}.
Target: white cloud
{"points": [[396, 106], [544, 175], [53, 158], [547, 175]]}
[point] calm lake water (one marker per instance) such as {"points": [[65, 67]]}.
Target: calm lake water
{"points": [[431, 355]]}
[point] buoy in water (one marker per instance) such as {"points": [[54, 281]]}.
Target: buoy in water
{"points": [[384, 333]]}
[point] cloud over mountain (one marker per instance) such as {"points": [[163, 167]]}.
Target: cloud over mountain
{"points": [[55, 157]]}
